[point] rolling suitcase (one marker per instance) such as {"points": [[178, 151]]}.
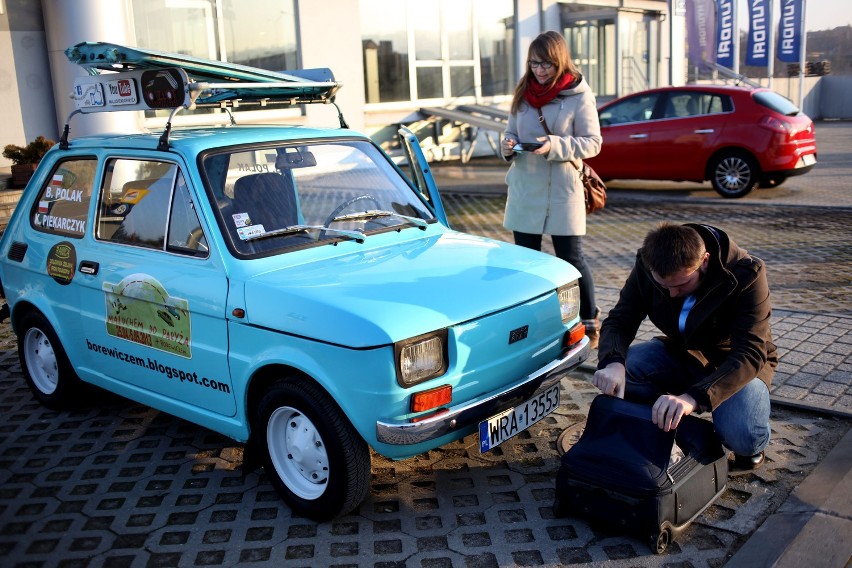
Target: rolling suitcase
{"points": [[618, 475]]}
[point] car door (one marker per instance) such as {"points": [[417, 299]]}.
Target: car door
{"points": [[626, 127], [153, 292], [685, 135], [421, 174]]}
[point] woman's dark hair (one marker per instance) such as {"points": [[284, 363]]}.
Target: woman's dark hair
{"points": [[548, 46], [670, 248]]}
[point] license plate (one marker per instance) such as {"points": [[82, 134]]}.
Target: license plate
{"points": [[809, 159], [501, 427]]}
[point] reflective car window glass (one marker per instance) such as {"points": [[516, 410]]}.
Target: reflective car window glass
{"points": [[776, 102], [261, 194], [713, 104], [185, 232], [633, 109], [683, 105], [134, 205], [62, 206]]}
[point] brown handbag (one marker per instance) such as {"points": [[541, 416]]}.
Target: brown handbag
{"points": [[594, 189]]}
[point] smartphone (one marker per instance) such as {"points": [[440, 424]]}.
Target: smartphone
{"points": [[527, 146]]}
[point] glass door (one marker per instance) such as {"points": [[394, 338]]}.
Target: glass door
{"points": [[592, 45]]}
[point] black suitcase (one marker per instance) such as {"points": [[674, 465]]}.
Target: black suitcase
{"points": [[618, 474]]}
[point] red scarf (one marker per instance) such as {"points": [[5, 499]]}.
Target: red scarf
{"points": [[538, 95]]}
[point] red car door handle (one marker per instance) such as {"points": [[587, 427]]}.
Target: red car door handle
{"points": [[704, 131], [638, 136]]}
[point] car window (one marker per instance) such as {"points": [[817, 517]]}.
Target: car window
{"points": [[693, 103], [631, 109], [260, 192], [185, 232], [145, 201], [62, 206], [776, 102]]}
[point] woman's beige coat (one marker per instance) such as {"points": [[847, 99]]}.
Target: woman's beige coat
{"points": [[545, 192]]}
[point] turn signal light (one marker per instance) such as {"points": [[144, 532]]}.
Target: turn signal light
{"points": [[432, 398], [574, 335]]}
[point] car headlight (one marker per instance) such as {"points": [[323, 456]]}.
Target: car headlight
{"points": [[569, 301], [421, 358]]}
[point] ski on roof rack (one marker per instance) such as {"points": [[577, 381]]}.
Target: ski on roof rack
{"points": [[211, 81], [125, 78]]}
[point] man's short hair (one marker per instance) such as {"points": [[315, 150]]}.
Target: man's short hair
{"points": [[670, 248]]}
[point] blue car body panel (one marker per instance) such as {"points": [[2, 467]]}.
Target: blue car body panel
{"points": [[196, 322]]}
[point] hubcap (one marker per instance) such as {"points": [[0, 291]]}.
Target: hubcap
{"points": [[41, 361], [298, 452], [733, 174]]}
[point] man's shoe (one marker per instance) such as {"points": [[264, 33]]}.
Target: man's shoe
{"points": [[746, 463]]}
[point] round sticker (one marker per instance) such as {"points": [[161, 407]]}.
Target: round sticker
{"points": [[61, 262]]}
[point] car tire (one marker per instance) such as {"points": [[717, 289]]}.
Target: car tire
{"points": [[733, 175], [45, 365], [313, 456]]}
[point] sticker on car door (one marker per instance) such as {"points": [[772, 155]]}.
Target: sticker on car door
{"points": [[140, 310]]}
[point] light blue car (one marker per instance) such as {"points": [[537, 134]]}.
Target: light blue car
{"points": [[286, 286]]}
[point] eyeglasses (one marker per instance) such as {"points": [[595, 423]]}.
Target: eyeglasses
{"points": [[546, 65]]}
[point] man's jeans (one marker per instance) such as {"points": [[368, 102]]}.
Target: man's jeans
{"points": [[742, 421]]}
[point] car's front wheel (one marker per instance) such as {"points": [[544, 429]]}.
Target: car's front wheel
{"points": [[733, 175], [315, 459], [45, 365]]}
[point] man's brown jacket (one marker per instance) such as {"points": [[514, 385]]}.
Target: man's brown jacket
{"points": [[727, 329]]}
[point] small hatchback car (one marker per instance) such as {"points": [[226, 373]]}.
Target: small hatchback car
{"points": [[736, 137], [289, 287]]}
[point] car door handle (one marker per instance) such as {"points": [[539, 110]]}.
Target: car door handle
{"points": [[638, 136], [704, 131], [89, 267]]}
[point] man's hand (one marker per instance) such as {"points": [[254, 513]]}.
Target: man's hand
{"points": [[610, 379], [669, 409]]}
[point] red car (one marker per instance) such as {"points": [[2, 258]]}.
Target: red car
{"points": [[735, 137]]}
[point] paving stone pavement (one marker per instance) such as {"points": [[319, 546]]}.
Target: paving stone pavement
{"points": [[117, 484], [809, 262]]}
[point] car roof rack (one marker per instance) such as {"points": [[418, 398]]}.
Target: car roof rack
{"points": [[122, 78]]}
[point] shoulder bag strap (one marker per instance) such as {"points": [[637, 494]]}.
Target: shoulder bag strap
{"points": [[549, 133]]}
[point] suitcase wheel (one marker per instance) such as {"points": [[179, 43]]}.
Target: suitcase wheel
{"points": [[660, 541]]}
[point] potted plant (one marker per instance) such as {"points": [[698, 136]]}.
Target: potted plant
{"points": [[26, 158]]}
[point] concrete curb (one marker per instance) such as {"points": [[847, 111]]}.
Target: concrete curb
{"points": [[814, 525]]}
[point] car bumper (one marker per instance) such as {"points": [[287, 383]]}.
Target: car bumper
{"points": [[471, 413]]}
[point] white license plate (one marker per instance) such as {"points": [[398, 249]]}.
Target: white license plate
{"points": [[808, 159], [501, 427]]}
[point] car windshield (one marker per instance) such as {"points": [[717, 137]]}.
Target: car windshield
{"points": [[271, 198], [776, 102]]}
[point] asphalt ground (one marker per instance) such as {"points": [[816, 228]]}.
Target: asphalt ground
{"points": [[119, 484]]}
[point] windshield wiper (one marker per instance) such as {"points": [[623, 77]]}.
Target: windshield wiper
{"points": [[376, 213], [358, 237]]}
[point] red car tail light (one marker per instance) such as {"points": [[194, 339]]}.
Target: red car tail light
{"points": [[775, 125]]}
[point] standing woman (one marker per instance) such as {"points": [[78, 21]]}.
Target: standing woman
{"points": [[553, 105]]}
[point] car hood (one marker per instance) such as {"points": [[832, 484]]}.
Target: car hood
{"points": [[382, 295]]}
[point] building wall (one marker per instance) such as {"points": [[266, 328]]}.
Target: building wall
{"points": [[26, 94], [322, 33]]}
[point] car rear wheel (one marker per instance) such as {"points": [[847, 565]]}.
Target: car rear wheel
{"points": [[733, 175], [45, 365], [315, 459]]}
